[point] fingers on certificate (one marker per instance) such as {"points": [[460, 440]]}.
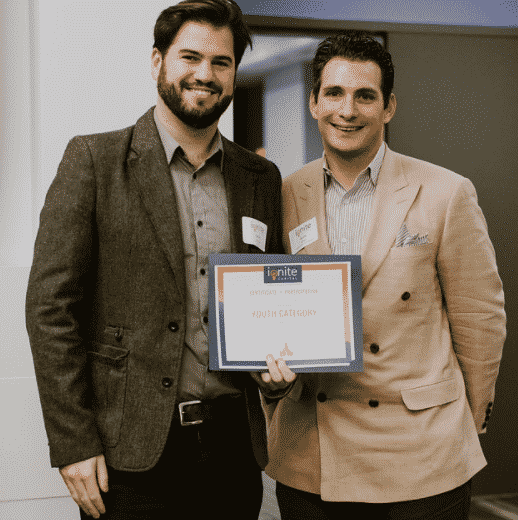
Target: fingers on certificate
{"points": [[278, 372]]}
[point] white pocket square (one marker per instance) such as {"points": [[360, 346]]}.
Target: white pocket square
{"points": [[405, 238]]}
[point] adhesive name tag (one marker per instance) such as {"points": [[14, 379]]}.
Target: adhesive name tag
{"points": [[303, 235], [254, 232]]}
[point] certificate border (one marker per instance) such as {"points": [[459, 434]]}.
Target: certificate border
{"points": [[217, 357]]}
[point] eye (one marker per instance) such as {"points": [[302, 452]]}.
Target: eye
{"points": [[332, 93], [221, 63], [367, 96]]}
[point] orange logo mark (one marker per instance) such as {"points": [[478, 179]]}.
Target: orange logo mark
{"points": [[286, 351]]}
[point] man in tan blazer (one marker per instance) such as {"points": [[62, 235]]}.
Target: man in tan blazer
{"points": [[399, 440]]}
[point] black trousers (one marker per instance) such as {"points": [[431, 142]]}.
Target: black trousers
{"points": [[206, 471], [299, 505]]}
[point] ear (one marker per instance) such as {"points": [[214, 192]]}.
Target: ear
{"points": [[313, 106], [391, 109], [156, 63]]}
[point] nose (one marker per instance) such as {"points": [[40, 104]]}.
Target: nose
{"points": [[348, 108], [203, 71]]}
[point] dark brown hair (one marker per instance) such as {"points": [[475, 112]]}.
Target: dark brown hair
{"points": [[354, 46], [219, 13]]}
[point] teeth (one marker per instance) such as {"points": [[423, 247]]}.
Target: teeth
{"points": [[348, 129]]}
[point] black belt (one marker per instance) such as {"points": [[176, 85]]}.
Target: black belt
{"points": [[195, 412]]}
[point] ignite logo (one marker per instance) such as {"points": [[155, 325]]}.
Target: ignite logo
{"points": [[283, 273]]}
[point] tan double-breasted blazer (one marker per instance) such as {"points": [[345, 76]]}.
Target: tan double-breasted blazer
{"points": [[433, 331]]}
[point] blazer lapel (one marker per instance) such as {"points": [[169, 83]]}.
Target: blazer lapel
{"points": [[148, 168], [392, 200], [310, 201], [240, 182]]}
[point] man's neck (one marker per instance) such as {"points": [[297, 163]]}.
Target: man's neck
{"points": [[196, 143], [347, 167]]}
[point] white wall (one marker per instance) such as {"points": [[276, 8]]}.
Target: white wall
{"points": [[284, 105]]}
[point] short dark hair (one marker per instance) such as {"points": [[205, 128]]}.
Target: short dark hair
{"points": [[354, 46], [219, 13]]}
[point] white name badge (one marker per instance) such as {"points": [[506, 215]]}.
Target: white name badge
{"points": [[303, 235], [254, 232]]}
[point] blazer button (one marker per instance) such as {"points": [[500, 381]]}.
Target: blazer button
{"points": [[375, 348], [373, 403], [321, 397], [118, 336], [173, 326], [167, 382], [205, 319], [405, 296], [484, 424]]}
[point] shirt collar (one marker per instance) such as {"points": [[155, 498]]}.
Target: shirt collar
{"points": [[171, 145], [373, 169]]}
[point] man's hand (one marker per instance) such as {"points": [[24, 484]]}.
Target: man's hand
{"points": [[278, 377], [83, 480]]}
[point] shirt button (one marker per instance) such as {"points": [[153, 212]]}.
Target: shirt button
{"points": [[205, 319], [321, 397], [200, 223], [202, 271], [167, 382], [405, 296], [173, 326], [373, 403], [375, 348]]}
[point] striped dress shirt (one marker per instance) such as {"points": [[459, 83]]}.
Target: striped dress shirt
{"points": [[203, 211], [348, 211]]}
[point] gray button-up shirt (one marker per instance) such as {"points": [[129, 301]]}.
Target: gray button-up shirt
{"points": [[202, 206], [348, 211]]}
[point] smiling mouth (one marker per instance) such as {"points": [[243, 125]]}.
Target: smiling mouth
{"points": [[347, 129], [201, 91]]}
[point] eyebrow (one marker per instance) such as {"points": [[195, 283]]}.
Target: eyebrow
{"points": [[368, 90], [199, 54], [361, 90]]}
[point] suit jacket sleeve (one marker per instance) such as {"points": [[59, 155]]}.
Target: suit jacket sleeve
{"points": [[473, 295], [58, 307]]}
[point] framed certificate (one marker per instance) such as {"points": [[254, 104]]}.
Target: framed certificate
{"points": [[303, 308]]}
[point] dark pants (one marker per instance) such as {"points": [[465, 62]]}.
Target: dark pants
{"points": [[299, 505], [206, 471]]}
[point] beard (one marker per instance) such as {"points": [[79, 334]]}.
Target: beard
{"points": [[198, 118]]}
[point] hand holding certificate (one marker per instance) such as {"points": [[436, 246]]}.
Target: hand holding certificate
{"points": [[304, 309]]}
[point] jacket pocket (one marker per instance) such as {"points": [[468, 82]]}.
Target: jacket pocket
{"points": [[109, 374], [428, 396]]}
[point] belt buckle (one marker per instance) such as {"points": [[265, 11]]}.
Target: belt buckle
{"points": [[181, 407]]}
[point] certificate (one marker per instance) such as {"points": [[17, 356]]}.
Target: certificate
{"points": [[305, 309]]}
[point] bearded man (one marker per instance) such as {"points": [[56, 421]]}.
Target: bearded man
{"points": [[117, 304]]}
